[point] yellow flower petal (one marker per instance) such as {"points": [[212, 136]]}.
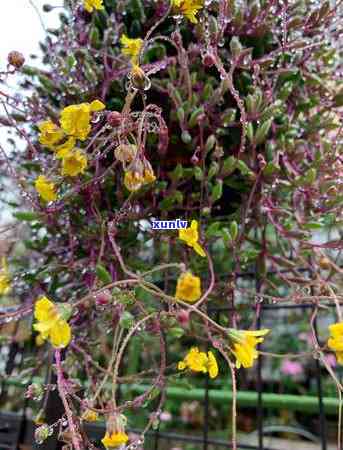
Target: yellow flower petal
{"points": [[131, 47], [181, 365], [89, 5], [45, 188], [212, 365], [190, 235], [74, 163], [5, 281], [60, 334], [114, 440], [188, 8], [199, 250], [45, 309], [97, 105], [90, 416], [64, 149], [244, 345], [133, 181], [75, 120], [188, 287], [50, 134]]}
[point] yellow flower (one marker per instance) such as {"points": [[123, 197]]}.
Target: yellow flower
{"points": [[188, 8], [114, 440], [45, 188], [188, 287], [89, 5], [133, 180], [149, 176], [51, 325], [50, 133], [75, 119], [335, 341], [74, 163], [64, 149], [212, 365], [39, 340], [244, 345], [131, 47], [199, 362], [5, 281], [90, 416], [191, 236]]}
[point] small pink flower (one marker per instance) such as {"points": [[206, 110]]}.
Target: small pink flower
{"points": [[291, 368]]}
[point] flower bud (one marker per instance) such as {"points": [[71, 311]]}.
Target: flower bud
{"points": [[125, 153], [34, 391], [183, 317], [139, 80], [47, 8], [103, 298], [16, 59], [42, 433], [114, 118], [325, 263], [208, 60]]}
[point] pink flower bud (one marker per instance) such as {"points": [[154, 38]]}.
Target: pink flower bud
{"points": [[183, 317]]}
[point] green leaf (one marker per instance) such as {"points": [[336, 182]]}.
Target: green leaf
{"points": [[233, 230], [262, 131], [229, 166], [186, 137], [211, 140], [217, 191], [193, 120], [270, 169], [213, 230], [176, 332], [103, 274], [65, 310], [213, 170], [26, 216], [250, 131], [243, 168], [198, 173], [310, 176], [177, 173], [126, 320]]}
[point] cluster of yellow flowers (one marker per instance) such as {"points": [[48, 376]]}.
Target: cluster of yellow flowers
{"points": [[5, 280], [52, 323], [198, 361], [74, 124], [188, 8], [335, 341]]}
